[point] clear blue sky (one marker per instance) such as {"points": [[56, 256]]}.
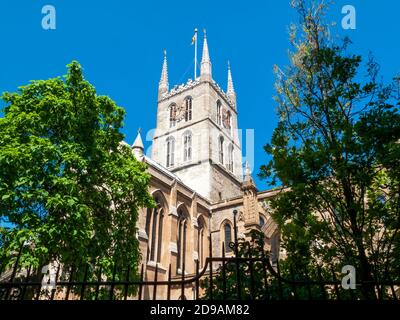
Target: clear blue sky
{"points": [[120, 45]]}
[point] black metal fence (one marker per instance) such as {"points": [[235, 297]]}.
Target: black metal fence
{"points": [[237, 277]]}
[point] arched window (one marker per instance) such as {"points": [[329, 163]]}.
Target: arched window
{"points": [[200, 241], [181, 241], [172, 115], [230, 158], [219, 112], [170, 151], [159, 235], [262, 221], [228, 236], [221, 149], [229, 121], [188, 109], [148, 229], [154, 230], [187, 146], [153, 233]]}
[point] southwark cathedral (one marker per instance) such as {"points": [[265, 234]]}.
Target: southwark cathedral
{"points": [[197, 180]]}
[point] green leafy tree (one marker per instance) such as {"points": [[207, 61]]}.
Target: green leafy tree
{"points": [[336, 153], [70, 189]]}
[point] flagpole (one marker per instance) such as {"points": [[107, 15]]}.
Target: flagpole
{"points": [[195, 53]]}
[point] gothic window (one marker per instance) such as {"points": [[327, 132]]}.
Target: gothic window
{"points": [[229, 121], [181, 241], [262, 221], [147, 228], [170, 151], [219, 112], [228, 236], [187, 146], [230, 158], [200, 241], [154, 230], [153, 234], [221, 149], [172, 115], [159, 235], [188, 109]]}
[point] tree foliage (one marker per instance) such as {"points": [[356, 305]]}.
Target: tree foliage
{"points": [[70, 189], [336, 153]]}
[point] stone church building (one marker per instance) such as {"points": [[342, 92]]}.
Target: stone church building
{"points": [[197, 180]]}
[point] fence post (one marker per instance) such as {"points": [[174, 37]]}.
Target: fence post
{"points": [[278, 269], [392, 287], [26, 284], [210, 268], [252, 289], [113, 280], [183, 279], [238, 283], [309, 291], [197, 279], [98, 283], [335, 284], [155, 283], [127, 281], [223, 272], [293, 285], [84, 282], [14, 271], [141, 283], [53, 291], [321, 283], [265, 275], [169, 283]]}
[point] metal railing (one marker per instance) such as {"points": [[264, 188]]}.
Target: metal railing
{"points": [[238, 277]]}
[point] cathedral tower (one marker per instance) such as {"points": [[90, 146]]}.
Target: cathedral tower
{"points": [[196, 135]]}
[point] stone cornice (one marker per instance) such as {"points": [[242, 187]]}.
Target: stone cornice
{"points": [[191, 84], [179, 89]]}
